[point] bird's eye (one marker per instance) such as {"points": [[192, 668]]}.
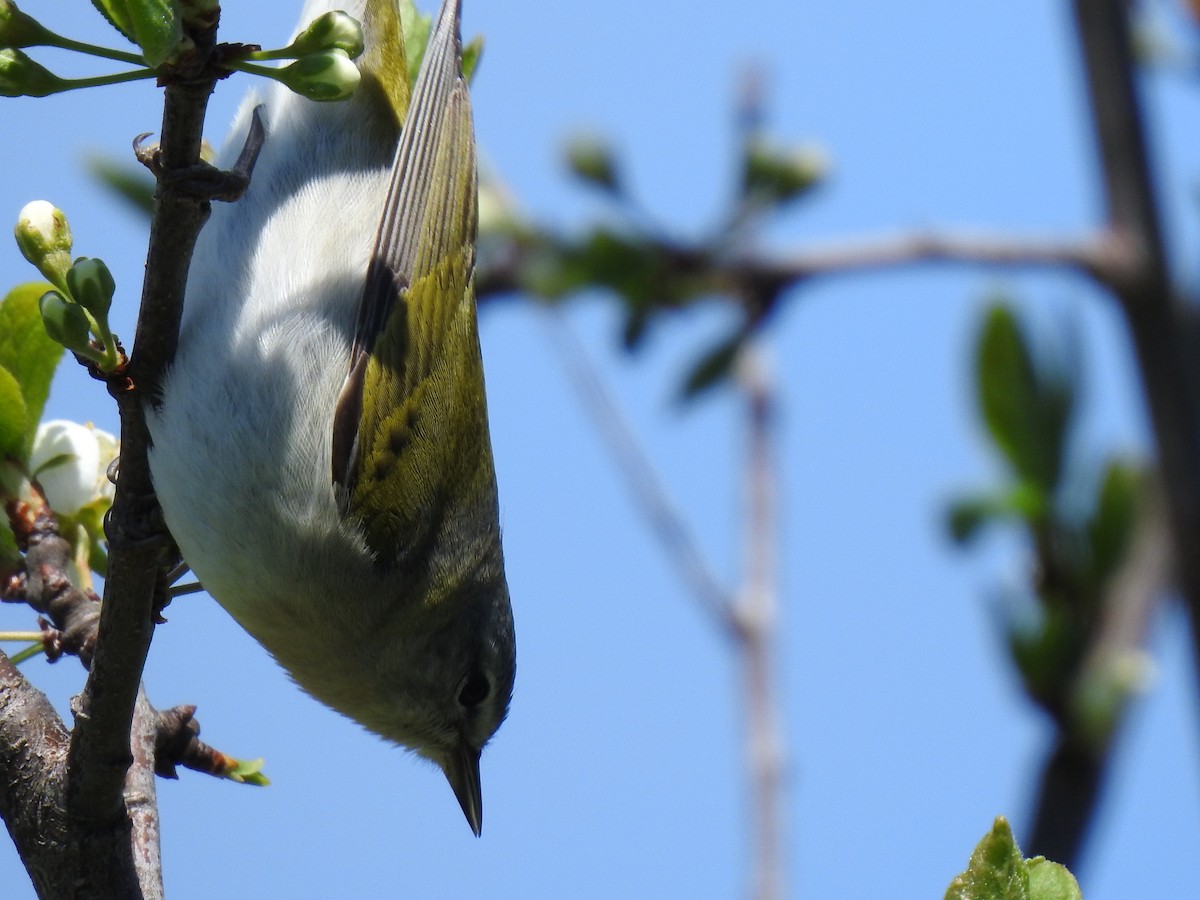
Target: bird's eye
{"points": [[475, 690]]}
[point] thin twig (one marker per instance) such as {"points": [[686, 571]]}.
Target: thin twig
{"points": [[645, 485]]}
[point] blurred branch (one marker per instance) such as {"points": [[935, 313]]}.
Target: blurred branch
{"points": [[645, 486], [1113, 671], [757, 618], [1141, 281]]}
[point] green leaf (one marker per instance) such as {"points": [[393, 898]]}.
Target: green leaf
{"points": [[13, 416], [472, 55], [416, 29], [713, 367], [248, 771], [154, 25], [27, 352], [1050, 881], [1026, 410], [117, 14], [996, 870]]}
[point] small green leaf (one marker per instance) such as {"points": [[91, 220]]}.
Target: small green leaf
{"points": [[472, 55], [13, 416], [1050, 881], [1026, 410], [27, 352], [713, 367], [154, 25], [416, 28], [248, 771], [117, 14], [996, 870]]}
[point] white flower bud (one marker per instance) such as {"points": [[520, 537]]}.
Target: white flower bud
{"points": [[70, 462]]}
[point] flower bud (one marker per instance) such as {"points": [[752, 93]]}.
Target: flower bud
{"points": [[70, 462], [329, 75], [20, 76], [65, 322], [44, 237], [334, 30], [92, 286], [18, 29]]}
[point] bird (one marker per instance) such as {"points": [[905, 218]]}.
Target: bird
{"points": [[321, 449]]}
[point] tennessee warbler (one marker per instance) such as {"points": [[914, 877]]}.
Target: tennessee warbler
{"points": [[321, 449]]}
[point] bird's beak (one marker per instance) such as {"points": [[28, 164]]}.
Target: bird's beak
{"points": [[462, 771]]}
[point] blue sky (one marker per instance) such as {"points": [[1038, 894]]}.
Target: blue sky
{"points": [[620, 770]]}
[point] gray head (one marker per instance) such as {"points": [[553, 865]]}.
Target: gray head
{"points": [[444, 686]]}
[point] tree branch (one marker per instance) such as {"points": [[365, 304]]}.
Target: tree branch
{"points": [[100, 809], [1141, 281], [33, 752]]}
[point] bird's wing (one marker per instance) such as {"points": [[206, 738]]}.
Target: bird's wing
{"points": [[414, 369]]}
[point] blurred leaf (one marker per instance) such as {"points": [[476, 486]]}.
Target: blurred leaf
{"points": [[591, 159], [713, 367], [416, 28], [12, 416], [133, 184], [967, 516], [28, 353], [1112, 524], [778, 175], [643, 273], [472, 55], [1026, 411], [996, 870]]}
